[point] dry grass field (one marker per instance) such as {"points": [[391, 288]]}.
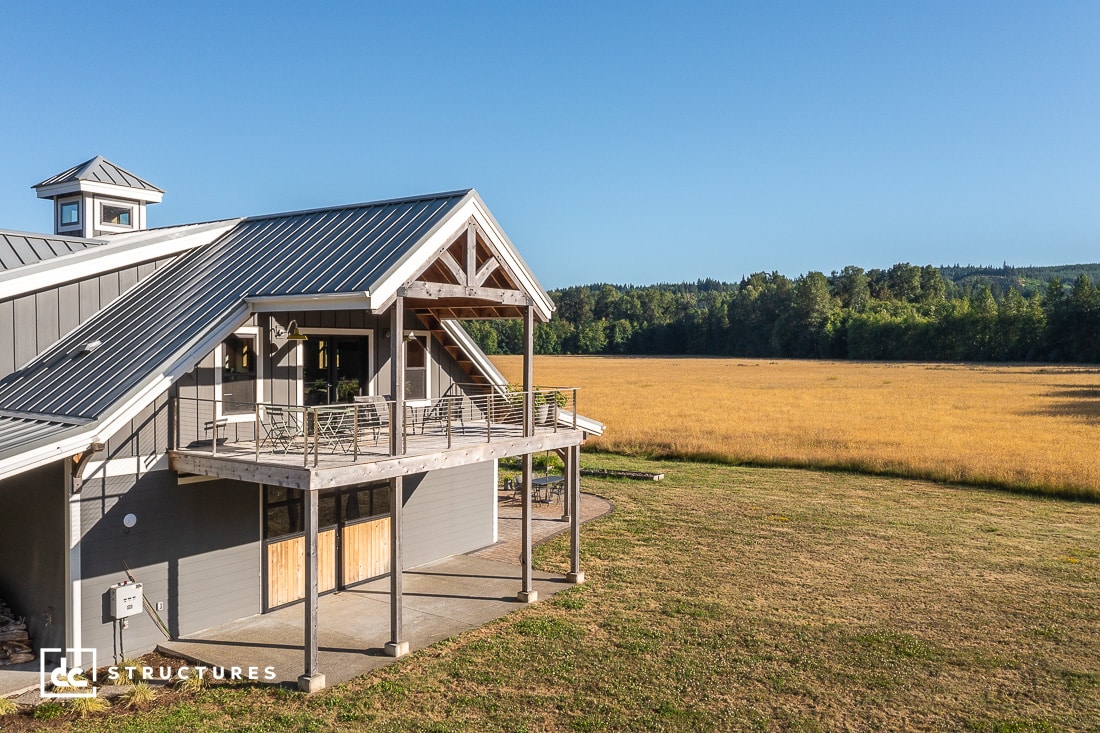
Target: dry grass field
{"points": [[743, 599], [1032, 427]]}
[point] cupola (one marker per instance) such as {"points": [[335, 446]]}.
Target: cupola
{"points": [[98, 197]]}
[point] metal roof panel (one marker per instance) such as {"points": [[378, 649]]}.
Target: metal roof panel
{"points": [[18, 249]]}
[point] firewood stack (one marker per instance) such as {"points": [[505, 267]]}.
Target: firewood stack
{"points": [[15, 644]]}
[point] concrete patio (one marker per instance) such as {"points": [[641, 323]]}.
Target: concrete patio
{"points": [[441, 600]]}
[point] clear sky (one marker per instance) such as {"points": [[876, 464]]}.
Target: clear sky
{"points": [[622, 142]]}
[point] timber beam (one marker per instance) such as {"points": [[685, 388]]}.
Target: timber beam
{"points": [[438, 291]]}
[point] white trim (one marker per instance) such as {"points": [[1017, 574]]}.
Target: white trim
{"points": [[327, 302], [119, 251], [131, 206], [130, 466], [428, 362], [219, 362], [73, 533], [321, 331], [493, 497], [60, 226], [143, 195], [429, 249]]}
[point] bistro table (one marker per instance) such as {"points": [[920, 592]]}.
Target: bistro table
{"points": [[543, 487]]}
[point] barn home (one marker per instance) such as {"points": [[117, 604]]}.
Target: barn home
{"points": [[245, 414]]}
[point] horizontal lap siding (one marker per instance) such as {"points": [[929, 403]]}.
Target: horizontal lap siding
{"points": [[195, 548], [447, 512]]}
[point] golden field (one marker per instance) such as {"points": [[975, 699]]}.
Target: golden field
{"points": [[1033, 427]]}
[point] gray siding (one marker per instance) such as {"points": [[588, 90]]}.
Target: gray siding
{"points": [[447, 513], [195, 547], [30, 323], [33, 550]]}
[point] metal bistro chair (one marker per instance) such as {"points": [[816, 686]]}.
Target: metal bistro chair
{"points": [[281, 428], [334, 427], [374, 414]]}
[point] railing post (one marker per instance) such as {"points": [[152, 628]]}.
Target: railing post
{"points": [[316, 438], [214, 426], [176, 421], [448, 424], [256, 432], [574, 408], [355, 432]]}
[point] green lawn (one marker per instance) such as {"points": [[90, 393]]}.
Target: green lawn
{"points": [[725, 598]]}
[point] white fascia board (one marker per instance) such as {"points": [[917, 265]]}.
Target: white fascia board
{"points": [[443, 236], [506, 250], [126, 193], [317, 302], [120, 251], [70, 441]]}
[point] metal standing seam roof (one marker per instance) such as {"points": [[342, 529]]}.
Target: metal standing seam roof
{"points": [[100, 170], [327, 251], [18, 249]]}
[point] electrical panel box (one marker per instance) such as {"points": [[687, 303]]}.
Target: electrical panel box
{"points": [[125, 600]]}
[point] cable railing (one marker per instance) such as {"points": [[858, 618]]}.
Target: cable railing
{"points": [[365, 428]]}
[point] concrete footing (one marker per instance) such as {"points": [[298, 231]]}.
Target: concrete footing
{"points": [[316, 683], [575, 578], [397, 648], [527, 596], [566, 517]]}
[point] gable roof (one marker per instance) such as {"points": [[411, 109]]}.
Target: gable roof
{"points": [[348, 256], [99, 170], [19, 249]]}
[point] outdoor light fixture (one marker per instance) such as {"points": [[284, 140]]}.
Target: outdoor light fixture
{"points": [[129, 521], [290, 334]]}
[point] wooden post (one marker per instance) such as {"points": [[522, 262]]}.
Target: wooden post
{"points": [[567, 474], [396, 646], [527, 593], [311, 680], [397, 375], [576, 575]]}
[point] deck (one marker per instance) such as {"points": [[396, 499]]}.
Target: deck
{"points": [[313, 462]]}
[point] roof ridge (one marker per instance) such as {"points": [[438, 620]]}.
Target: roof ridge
{"points": [[44, 235], [362, 205]]}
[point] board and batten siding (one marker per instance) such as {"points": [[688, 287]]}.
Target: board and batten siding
{"points": [[447, 512], [30, 323], [196, 549]]}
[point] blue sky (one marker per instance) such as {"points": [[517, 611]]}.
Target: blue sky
{"points": [[621, 142]]}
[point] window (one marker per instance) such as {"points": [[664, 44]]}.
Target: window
{"points": [[115, 215], [283, 513], [336, 366], [69, 214], [239, 373], [416, 367]]}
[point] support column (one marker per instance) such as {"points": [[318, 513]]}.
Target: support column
{"points": [[397, 376], [396, 646], [576, 575], [527, 593], [311, 680], [567, 474], [73, 610]]}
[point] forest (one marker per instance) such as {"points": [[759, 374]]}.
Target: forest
{"points": [[906, 312]]}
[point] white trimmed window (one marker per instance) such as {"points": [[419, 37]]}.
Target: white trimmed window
{"points": [[418, 387], [239, 377], [117, 215]]}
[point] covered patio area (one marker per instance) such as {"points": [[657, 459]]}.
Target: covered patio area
{"points": [[441, 599]]}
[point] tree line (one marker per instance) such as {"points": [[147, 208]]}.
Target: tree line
{"points": [[905, 312]]}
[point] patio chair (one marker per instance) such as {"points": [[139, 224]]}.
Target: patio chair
{"points": [[334, 427], [374, 414], [281, 428]]}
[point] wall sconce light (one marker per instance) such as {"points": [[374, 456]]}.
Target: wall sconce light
{"points": [[291, 333], [129, 522]]}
